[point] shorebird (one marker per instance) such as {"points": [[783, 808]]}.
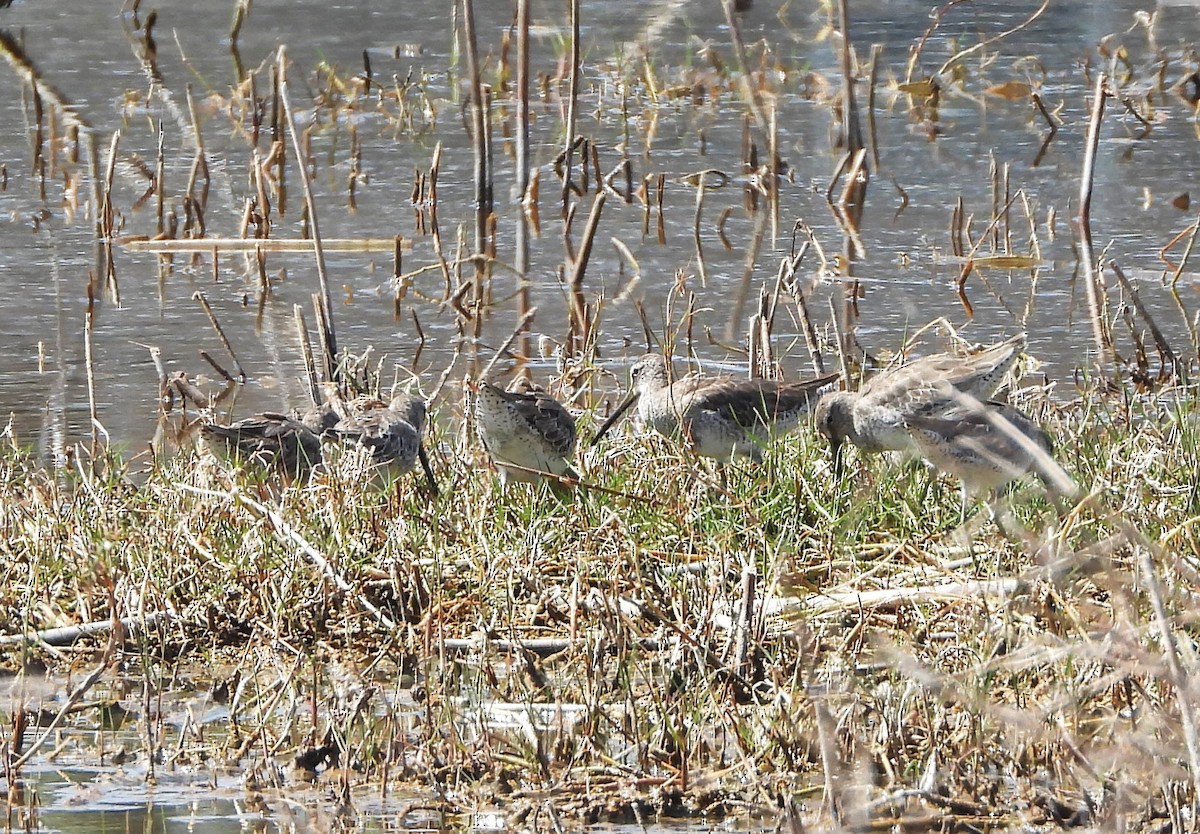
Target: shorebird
{"points": [[718, 417], [986, 445], [392, 431], [524, 430], [269, 439], [875, 419]]}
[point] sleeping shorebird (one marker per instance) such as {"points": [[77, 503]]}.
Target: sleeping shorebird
{"points": [[269, 439], [875, 419], [525, 431], [392, 431], [718, 417]]}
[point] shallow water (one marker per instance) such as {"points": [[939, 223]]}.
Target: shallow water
{"points": [[91, 56]]}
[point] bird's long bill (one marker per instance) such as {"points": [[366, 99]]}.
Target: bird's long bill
{"points": [[838, 447], [424, 458], [629, 400]]}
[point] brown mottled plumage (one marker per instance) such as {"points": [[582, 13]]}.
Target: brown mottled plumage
{"points": [[525, 431], [268, 439], [717, 416], [392, 431], [875, 419], [984, 444]]}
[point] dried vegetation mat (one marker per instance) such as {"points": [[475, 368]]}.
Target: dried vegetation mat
{"points": [[763, 641]]}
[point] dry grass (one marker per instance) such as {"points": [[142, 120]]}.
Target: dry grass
{"points": [[580, 655]]}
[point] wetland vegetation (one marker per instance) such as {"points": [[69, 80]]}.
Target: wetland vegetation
{"points": [[771, 644]]}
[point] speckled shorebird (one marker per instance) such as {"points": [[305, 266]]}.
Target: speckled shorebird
{"points": [[875, 419], [525, 431], [984, 444], [269, 439], [719, 417], [392, 431]]}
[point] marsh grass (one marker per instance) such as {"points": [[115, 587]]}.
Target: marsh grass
{"points": [[517, 648]]}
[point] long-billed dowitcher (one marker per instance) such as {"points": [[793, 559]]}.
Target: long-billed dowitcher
{"points": [[392, 431], [719, 417], [269, 439], [875, 418], [984, 444], [525, 431]]}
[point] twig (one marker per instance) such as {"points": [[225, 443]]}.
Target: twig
{"points": [[328, 336]]}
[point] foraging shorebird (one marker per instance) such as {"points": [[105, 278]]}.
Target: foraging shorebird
{"points": [[876, 418], [524, 430], [985, 445], [716, 416], [268, 439], [392, 431]]}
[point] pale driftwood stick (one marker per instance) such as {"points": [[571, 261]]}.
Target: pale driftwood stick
{"points": [[830, 603], [238, 244], [328, 336]]}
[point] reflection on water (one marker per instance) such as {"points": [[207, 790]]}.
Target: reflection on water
{"points": [[653, 87]]}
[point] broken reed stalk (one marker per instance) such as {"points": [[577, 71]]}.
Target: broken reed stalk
{"points": [[328, 360], [521, 164], [212, 317], [872, 84], [572, 105], [199, 164], [1135, 299], [108, 217], [244, 244], [522, 325], [701, 266], [159, 175], [478, 132], [1086, 185], [771, 180], [579, 324], [310, 364], [739, 302], [854, 139], [749, 91], [90, 370], [328, 336], [216, 366], [746, 621]]}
